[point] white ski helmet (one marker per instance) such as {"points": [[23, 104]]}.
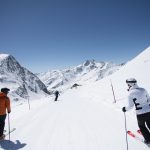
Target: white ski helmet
{"points": [[131, 82]]}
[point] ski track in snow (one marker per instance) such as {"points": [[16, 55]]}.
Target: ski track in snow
{"points": [[68, 124]]}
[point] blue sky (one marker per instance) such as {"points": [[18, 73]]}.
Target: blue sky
{"points": [[55, 34]]}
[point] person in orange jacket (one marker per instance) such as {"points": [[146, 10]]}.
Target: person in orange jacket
{"points": [[4, 105]]}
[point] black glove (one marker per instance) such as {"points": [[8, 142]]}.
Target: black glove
{"points": [[123, 109]]}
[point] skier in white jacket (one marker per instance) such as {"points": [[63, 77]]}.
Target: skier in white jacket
{"points": [[139, 98]]}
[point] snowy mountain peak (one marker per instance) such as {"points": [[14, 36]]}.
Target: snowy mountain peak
{"points": [[4, 56], [21, 81], [88, 62], [81, 74], [9, 63]]}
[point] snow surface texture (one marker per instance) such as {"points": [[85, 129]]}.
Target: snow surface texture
{"points": [[83, 118], [72, 123]]}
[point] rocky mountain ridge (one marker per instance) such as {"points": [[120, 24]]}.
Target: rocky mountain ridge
{"points": [[88, 71], [21, 81]]}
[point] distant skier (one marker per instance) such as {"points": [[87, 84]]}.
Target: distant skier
{"points": [[56, 95], [139, 98], [4, 105]]}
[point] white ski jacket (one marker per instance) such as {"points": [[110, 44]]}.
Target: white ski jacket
{"points": [[139, 98]]}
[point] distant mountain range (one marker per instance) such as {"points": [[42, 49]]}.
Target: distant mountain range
{"points": [[82, 74], [24, 84]]}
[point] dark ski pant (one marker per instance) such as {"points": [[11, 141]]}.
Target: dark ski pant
{"points": [[144, 125], [2, 124], [56, 98]]}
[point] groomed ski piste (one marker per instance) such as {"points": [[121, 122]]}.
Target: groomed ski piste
{"points": [[72, 123], [84, 118]]}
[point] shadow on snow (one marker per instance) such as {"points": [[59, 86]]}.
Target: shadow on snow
{"points": [[9, 145]]}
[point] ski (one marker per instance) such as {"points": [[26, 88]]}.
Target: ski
{"points": [[130, 133], [12, 130], [6, 134], [140, 139]]}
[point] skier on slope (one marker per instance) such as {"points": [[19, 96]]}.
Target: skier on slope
{"points": [[56, 95], [139, 98], [4, 104]]}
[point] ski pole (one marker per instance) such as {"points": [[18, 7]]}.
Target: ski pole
{"points": [[126, 130], [113, 91], [9, 126]]}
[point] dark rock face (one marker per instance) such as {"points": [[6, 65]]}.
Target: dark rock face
{"points": [[19, 78]]}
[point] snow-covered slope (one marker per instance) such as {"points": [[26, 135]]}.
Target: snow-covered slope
{"points": [[89, 71], [72, 123], [22, 83], [137, 68], [84, 118]]}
